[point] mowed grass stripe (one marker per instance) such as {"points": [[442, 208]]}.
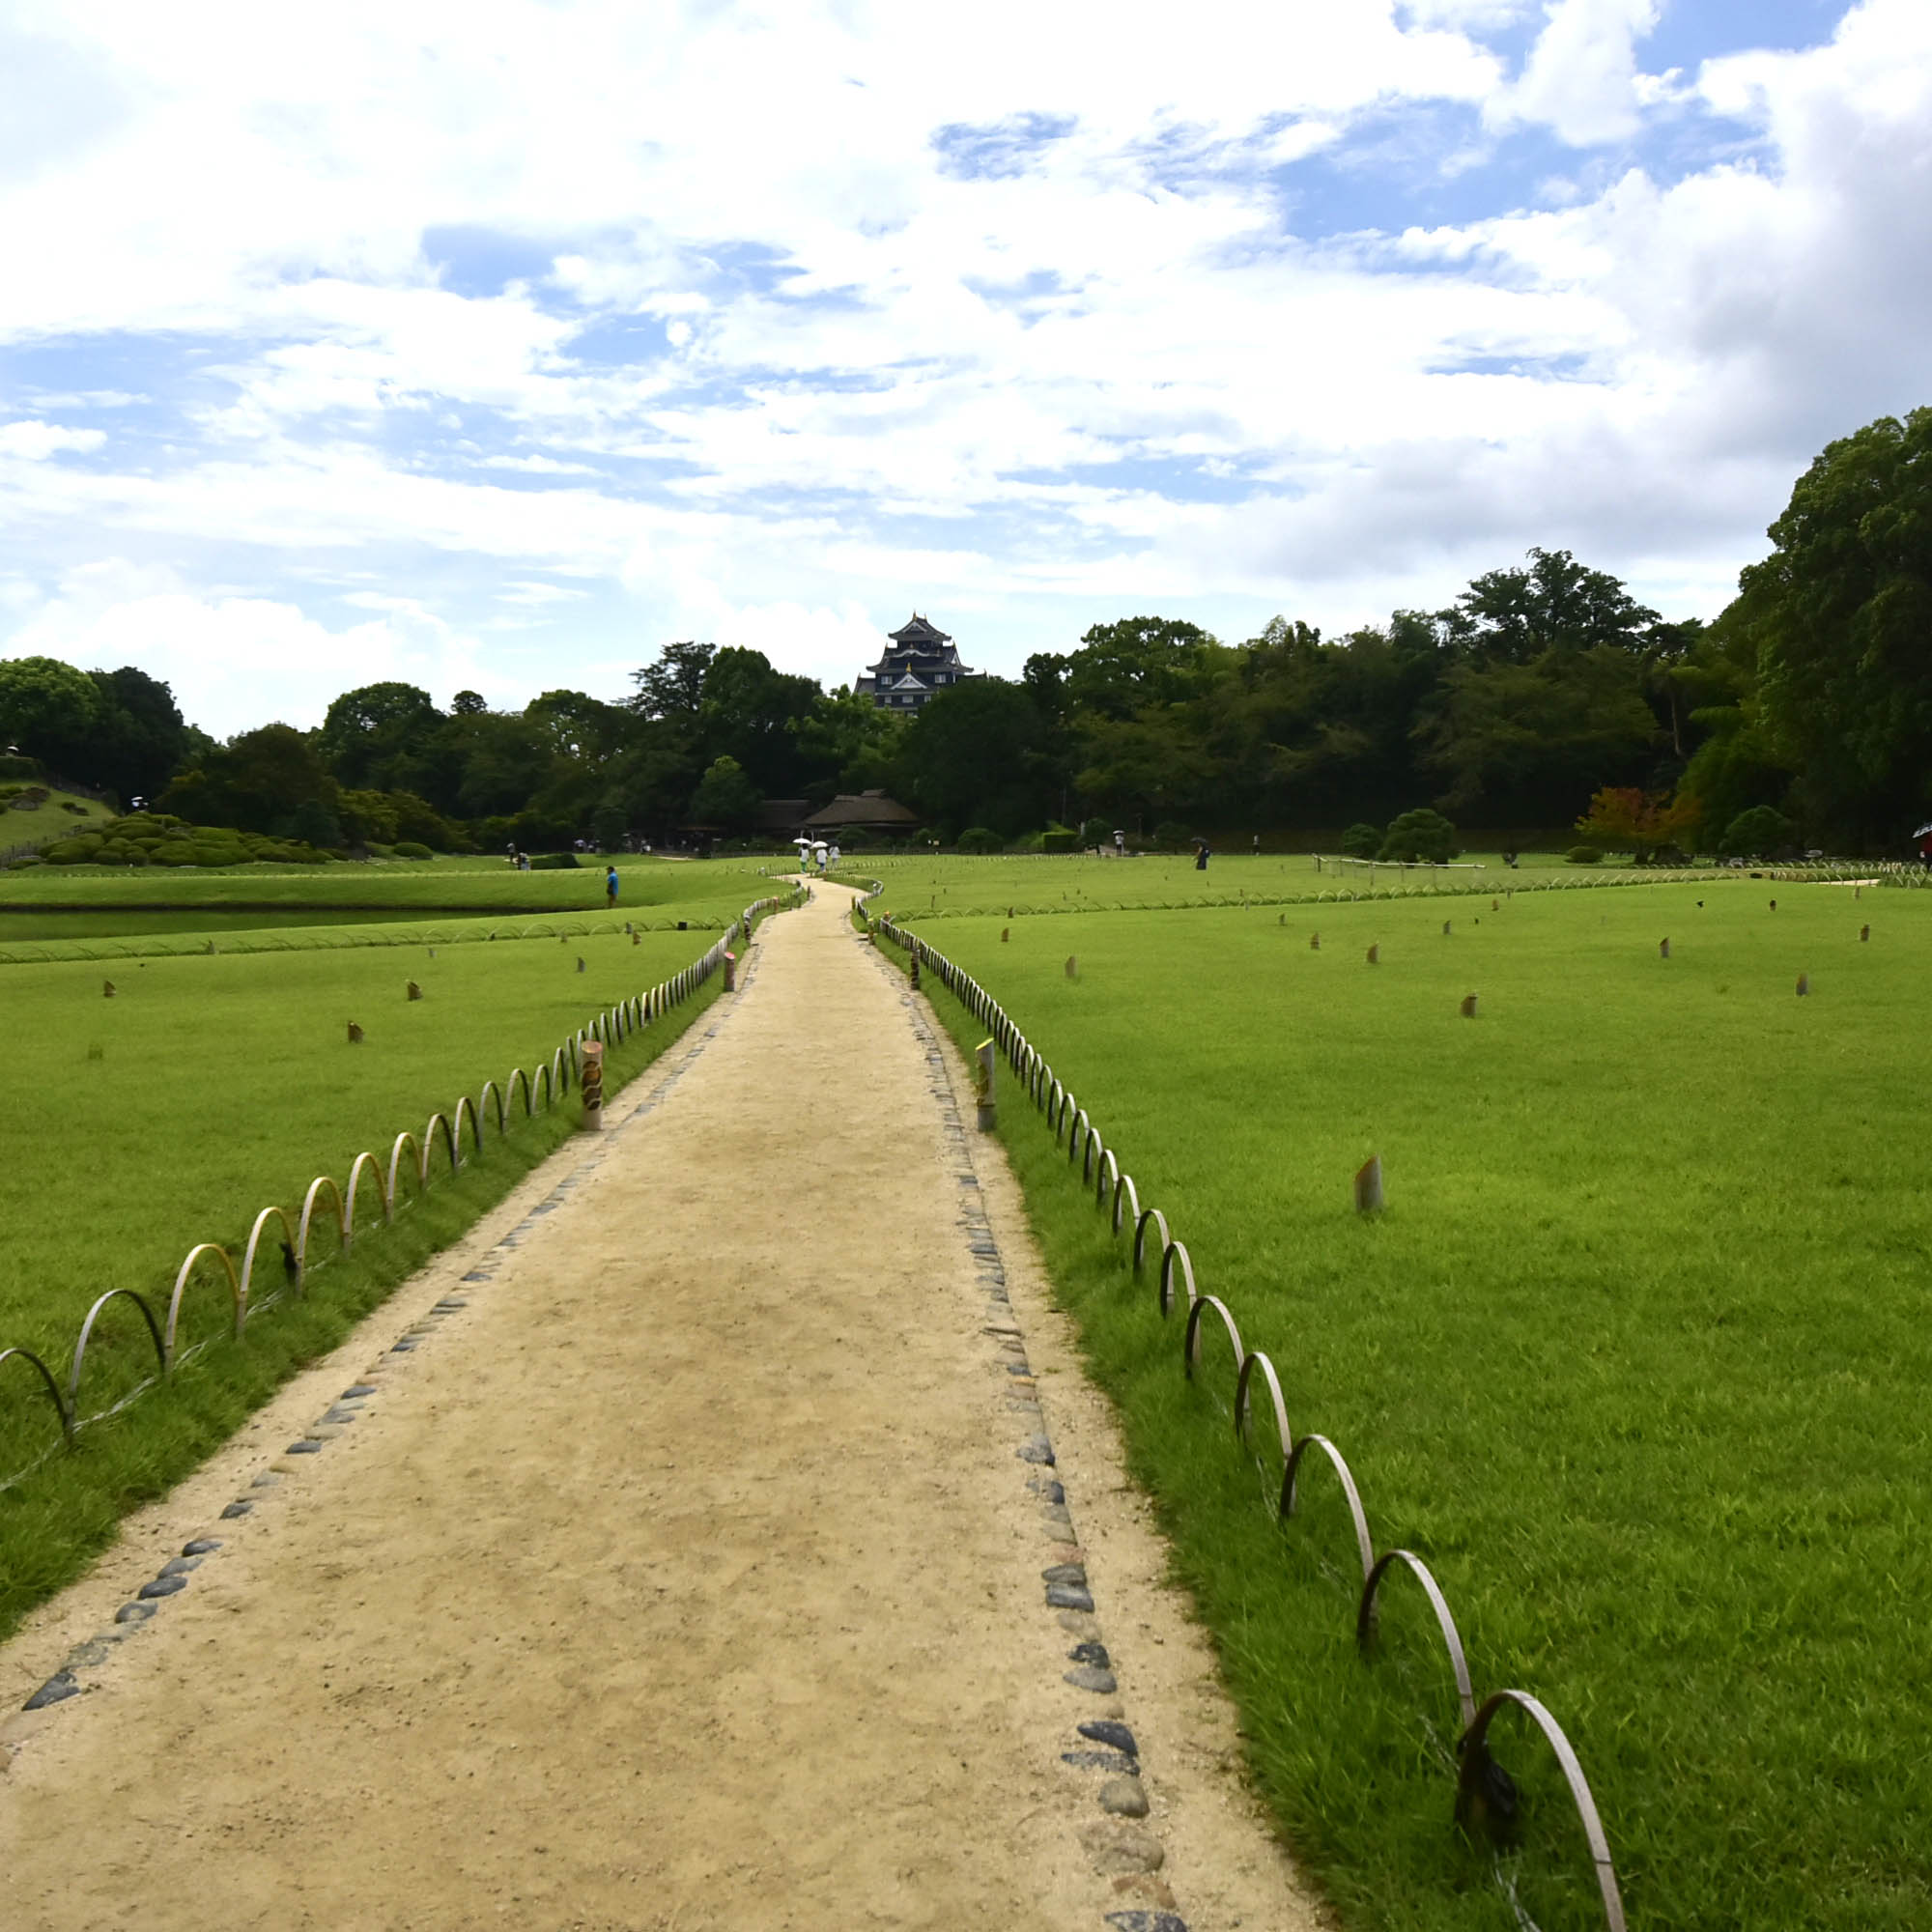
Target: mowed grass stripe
{"points": [[1635, 1360]]}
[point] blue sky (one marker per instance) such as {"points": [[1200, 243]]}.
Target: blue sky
{"points": [[498, 344]]}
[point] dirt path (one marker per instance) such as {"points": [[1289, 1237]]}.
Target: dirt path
{"points": [[687, 1574]]}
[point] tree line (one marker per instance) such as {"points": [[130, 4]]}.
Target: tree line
{"points": [[1543, 695]]}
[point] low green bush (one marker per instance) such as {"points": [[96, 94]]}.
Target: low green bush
{"points": [[980, 841], [553, 862], [1060, 839], [411, 848], [1583, 855], [1420, 838], [1362, 842]]}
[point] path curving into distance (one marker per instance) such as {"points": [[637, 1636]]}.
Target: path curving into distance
{"points": [[686, 1567]]}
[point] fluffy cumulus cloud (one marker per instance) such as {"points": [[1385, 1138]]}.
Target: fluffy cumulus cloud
{"points": [[498, 344]]}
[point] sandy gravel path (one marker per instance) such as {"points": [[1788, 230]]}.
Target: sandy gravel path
{"points": [[684, 1575]]}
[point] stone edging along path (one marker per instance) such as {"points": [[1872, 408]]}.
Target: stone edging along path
{"points": [[693, 1556]]}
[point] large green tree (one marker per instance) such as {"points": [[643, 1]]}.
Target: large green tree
{"points": [[257, 782], [971, 755], [49, 710], [1841, 616], [377, 736]]}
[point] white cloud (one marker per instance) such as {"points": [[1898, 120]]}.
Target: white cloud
{"points": [[36, 442], [1581, 79], [238, 662]]}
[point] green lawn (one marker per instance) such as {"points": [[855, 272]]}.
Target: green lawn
{"points": [[439, 885], [1636, 1359], [916, 886]]}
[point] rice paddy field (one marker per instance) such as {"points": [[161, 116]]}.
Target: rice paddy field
{"points": [[1637, 1358], [213, 1084]]}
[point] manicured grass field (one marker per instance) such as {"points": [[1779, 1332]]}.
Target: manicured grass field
{"points": [[208, 1088], [915, 885], [443, 885], [1637, 1358]]}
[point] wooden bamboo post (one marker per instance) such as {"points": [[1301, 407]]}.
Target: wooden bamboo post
{"points": [[983, 1097]]}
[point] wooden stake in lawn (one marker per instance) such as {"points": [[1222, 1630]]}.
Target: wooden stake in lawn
{"points": [[1468, 1007], [1865, 934], [1445, 927], [984, 1100], [1369, 1186], [1804, 984], [355, 1033], [1073, 967], [415, 992], [591, 1083], [1374, 955], [1664, 949], [1006, 933], [107, 989], [1314, 941]]}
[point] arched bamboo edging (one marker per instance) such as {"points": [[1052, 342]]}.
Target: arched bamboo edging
{"points": [[48, 1382], [1177, 1251], [362, 1161], [485, 1098], [194, 1253], [408, 1140], [438, 1121], [87, 1329], [1473, 1750], [1445, 1623], [255, 1241], [314, 1194], [1150, 1217], [462, 1107], [1190, 1356], [1126, 1195], [1364, 1547], [1244, 1399]]}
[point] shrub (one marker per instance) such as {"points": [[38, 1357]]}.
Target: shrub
{"points": [[554, 862], [1096, 832], [980, 839], [1585, 855], [25, 860], [1171, 835], [1059, 838], [409, 848], [1420, 838], [1362, 840], [72, 851], [1752, 834]]}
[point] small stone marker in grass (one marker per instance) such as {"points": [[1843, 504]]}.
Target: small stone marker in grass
{"points": [[1773, 905], [1369, 1186], [355, 1033], [1664, 949], [1374, 955], [1468, 1007], [591, 1083], [415, 992], [1804, 984], [1313, 942], [1495, 905], [107, 989], [1445, 929], [1006, 933], [1073, 967], [579, 962], [1865, 934], [636, 939]]}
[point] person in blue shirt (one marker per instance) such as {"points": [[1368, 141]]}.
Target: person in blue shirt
{"points": [[610, 886]]}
